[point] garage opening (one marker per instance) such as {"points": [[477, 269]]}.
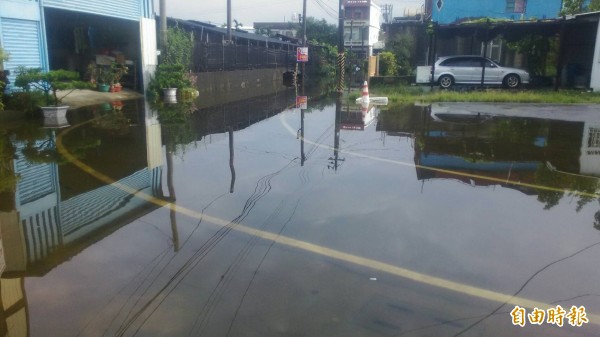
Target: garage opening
{"points": [[77, 41]]}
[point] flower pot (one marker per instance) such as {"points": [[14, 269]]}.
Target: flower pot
{"points": [[59, 111], [103, 87], [115, 88], [170, 99], [169, 92], [55, 116], [56, 122]]}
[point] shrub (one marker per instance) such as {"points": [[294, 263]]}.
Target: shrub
{"points": [[168, 76], [49, 82]]}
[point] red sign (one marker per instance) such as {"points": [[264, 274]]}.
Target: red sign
{"points": [[301, 102], [302, 54]]}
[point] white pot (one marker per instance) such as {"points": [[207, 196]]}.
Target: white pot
{"points": [[57, 112], [170, 92], [170, 99], [56, 122]]}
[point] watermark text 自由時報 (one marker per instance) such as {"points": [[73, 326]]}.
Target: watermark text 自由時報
{"points": [[576, 316]]}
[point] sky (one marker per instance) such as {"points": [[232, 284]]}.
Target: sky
{"points": [[249, 11]]}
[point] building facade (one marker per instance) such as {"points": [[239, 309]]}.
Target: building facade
{"points": [[361, 26], [289, 29], [70, 34], [456, 11]]}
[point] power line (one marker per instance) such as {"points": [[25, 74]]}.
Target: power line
{"points": [[330, 12]]}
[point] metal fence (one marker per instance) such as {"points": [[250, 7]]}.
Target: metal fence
{"points": [[222, 57]]}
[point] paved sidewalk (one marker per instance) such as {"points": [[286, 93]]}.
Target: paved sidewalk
{"points": [[83, 97]]}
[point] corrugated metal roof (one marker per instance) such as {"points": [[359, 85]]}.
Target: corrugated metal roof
{"points": [[197, 25]]}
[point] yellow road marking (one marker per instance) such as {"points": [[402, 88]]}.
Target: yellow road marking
{"points": [[321, 250]]}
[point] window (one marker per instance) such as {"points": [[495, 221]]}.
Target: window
{"points": [[594, 138], [516, 6], [462, 62]]}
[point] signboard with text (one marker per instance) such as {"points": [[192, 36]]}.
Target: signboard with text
{"points": [[302, 54], [301, 102]]}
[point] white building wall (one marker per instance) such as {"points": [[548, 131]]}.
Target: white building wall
{"points": [[374, 26], [595, 78], [149, 49], [589, 161]]}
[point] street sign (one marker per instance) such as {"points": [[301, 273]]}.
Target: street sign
{"points": [[301, 102], [302, 54]]}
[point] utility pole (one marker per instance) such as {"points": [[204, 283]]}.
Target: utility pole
{"points": [[341, 60], [304, 43], [304, 40], [228, 20], [163, 24], [387, 11], [304, 23]]}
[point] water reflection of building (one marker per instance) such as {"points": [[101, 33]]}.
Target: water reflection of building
{"points": [[358, 116], [239, 115], [56, 212], [497, 146]]}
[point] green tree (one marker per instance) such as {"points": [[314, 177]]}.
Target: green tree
{"points": [[180, 46], [571, 7], [3, 58], [540, 52], [319, 32], [594, 6], [403, 46], [387, 64]]}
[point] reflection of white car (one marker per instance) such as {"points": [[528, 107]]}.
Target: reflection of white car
{"points": [[467, 69]]}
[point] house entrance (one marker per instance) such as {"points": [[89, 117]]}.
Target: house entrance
{"points": [[78, 41]]}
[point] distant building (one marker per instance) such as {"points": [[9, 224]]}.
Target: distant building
{"points": [[289, 29], [361, 26], [449, 11]]}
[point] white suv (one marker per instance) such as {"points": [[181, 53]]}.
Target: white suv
{"points": [[467, 69]]}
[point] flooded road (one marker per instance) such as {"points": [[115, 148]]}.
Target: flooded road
{"points": [[139, 220]]}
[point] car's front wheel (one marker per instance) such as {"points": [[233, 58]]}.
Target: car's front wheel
{"points": [[512, 81], [446, 81]]}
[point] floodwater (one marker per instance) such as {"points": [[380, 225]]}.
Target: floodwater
{"points": [[259, 219]]}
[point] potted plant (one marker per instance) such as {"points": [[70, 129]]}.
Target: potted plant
{"points": [[118, 70], [50, 83], [169, 77], [104, 77], [101, 75]]}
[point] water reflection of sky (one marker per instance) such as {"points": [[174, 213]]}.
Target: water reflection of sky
{"points": [[376, 205]]}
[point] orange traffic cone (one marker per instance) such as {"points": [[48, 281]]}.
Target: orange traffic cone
{"points": [[365, 92]]}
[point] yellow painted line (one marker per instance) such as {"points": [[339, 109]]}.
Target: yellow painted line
{"points": [[422, 278]]}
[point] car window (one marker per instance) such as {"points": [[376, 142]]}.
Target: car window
{"points": [[472, 62], [462, 62], [450, 62]]}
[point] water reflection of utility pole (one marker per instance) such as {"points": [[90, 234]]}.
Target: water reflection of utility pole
{"points": [[171, 187], [334, 161], [304, 43], [231, 160]]}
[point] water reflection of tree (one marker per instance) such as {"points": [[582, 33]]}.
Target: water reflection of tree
{"points": [[40, 146], [518, 131], [114, 122], [177, 131], [585, 187], [8, 178]]}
